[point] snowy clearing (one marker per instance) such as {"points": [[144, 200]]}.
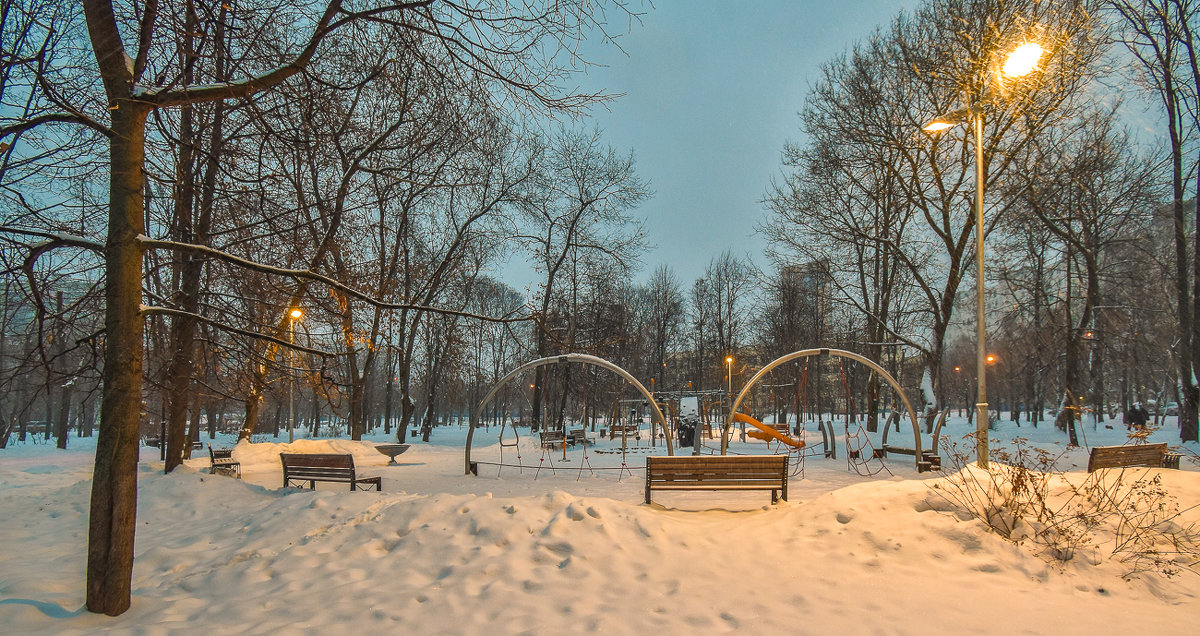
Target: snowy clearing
{"points": [[441, 552]]}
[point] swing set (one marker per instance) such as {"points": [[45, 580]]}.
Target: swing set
{"points": [[513, 442], [861, 455]]}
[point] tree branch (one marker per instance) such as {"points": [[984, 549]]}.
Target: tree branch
{"points": [[168, 311], [305, 274]]}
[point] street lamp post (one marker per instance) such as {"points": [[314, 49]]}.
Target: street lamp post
{"points": [[1021, 61], [729, 378], [294, 315]]}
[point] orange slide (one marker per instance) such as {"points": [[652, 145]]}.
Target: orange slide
{"points": [[765, 432]]}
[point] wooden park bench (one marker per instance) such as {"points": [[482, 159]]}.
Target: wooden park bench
{"points": [[551, 439], [313, 467], [577, 436], [221, 461], [718, 472], [156, 442], [619, 429], [1151, 455]]}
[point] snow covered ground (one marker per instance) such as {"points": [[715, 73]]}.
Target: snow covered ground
{"points": [[569, 551]]}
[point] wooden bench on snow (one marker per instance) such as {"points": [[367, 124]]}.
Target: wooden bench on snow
{"points": [[718, 472], [221, 461], [1150, 455], [156, 443], [313, 467], [577, 436], [619, 429], [551, 439]]}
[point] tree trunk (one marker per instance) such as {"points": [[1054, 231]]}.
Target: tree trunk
{"points": [[355, 421], [387, 396], [183, 328], [87, 417], [113, 511], [64, 415], [251, 422], [213, 420], [1189, 399], [193, 430]]}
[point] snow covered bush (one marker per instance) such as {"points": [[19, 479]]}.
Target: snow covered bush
{"points": [[1124, 514]]}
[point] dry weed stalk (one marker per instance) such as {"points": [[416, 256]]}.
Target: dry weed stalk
{"points": [[1024, 497]]}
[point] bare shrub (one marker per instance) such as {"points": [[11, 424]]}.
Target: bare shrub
{"points": [[1023, 496]]}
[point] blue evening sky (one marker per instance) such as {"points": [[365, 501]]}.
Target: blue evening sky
{"points": [[711, 93]]}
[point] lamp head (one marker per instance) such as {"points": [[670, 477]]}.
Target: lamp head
{"points": [[938, 125], [296, 314], [951, 119], [1023, 60]]}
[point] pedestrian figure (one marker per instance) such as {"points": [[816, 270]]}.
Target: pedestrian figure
{"points": [[1137, 417]]}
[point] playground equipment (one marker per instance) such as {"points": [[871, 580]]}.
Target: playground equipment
{"points": [[472, 468], [768, 432], [924, 461], [555, 442], [930, 455]]}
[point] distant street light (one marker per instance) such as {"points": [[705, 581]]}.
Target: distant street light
{"points": [[729, 375], [295, 315], [1021, 61]]}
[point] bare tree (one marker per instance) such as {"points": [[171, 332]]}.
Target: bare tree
{"points": [[1161, 35], [728, 279], [1089, 189], [582, 213], [868, 110], [510, 55], [664, 318]]}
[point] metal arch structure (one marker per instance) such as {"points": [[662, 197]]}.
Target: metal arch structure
{"points": [[564, 358], [823, 352]]}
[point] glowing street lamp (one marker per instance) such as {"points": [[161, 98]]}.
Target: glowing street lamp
{"points": [[294, 315], [729, 375], [1021, 61]]}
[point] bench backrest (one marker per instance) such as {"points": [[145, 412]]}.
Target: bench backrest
{"points": [[1123, 456], [718, 470], [220, 453], [318, 465]]}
